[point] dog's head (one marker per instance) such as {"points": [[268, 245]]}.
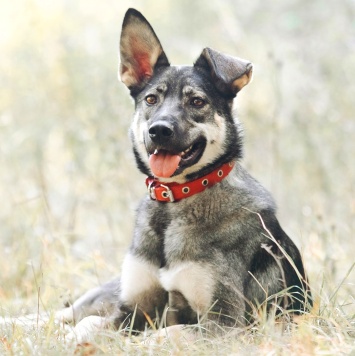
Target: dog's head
{"points": [[183, 125]]}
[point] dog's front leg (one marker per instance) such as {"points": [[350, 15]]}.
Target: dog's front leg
{"points": [[141, 293], [99, 301], [179, 310]]}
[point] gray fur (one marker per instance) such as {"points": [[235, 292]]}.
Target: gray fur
{"points": [[219, 254]]}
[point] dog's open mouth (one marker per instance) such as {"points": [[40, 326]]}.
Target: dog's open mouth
{"points": [[164, 163]]}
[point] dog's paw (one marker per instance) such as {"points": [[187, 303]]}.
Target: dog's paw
{"points": [[86, 329], [65, 315], [177, 335]]}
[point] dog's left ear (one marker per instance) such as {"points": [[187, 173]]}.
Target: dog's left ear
{"points": [[230, 74], [140, 51]]}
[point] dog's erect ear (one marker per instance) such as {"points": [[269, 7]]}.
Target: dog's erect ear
{"points": [[140, 50], [230, 74]]}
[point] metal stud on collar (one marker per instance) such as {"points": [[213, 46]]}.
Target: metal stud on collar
{"points": [[167, 194], [186, 190]]}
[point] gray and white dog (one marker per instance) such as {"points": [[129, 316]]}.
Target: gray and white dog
{"points": [[206, 242]]}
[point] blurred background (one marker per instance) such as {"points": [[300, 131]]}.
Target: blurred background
{"points": [[68, 182]]}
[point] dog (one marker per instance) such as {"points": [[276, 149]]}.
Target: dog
{"points": [[207, 244]]}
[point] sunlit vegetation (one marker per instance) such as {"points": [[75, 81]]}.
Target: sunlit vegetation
{"points": [[69, 185]]}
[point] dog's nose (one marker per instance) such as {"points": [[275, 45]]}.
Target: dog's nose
{"points": [[160, 131]]}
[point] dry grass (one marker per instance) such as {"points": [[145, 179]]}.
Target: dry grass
{"points": [[325, 331], [69, 186]]}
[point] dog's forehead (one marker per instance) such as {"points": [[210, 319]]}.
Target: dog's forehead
{"points": [[181, 78], [188, 75]]}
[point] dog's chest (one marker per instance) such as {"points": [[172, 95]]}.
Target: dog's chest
{"points": [[189, 228]]}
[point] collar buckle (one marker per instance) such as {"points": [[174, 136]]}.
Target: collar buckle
{"points": [[151, 190], [165, 193]]}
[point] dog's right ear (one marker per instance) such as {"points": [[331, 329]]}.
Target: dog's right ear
{"points": [[140, 51]]}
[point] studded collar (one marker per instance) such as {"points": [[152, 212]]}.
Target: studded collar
{"points": [[172, 192]]}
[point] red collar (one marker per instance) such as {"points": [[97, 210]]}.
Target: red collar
{"points": [[170, 192]]}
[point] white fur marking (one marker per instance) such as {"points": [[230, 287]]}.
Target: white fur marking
{"points": [[137, 277], [137, 129], [195, 281], [87, 329], [217, 134], [65, 315]]}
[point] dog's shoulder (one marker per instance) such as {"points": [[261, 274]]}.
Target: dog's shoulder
{"points": [[248, 192]]}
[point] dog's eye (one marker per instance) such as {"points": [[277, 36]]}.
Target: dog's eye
{"points": [[151, 99], [197, 102]]}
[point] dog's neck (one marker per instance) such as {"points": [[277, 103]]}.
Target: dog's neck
{"points": [[173, 192]]}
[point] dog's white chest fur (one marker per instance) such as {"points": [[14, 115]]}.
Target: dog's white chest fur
{"points": [[187, 278], [140, 278]]}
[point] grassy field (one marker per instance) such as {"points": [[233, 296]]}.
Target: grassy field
{"points": [[69, 185]]}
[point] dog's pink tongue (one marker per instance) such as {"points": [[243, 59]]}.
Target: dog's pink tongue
{"points": [[163, 164]]}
